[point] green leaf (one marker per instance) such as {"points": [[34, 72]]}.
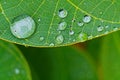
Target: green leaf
{"points": [[13, 66], [85, 20], [64, 63], [110, 57]]}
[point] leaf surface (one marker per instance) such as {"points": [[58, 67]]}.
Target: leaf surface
{"points": [[96, 17]]}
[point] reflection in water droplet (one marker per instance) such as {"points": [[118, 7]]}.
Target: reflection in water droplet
{"points": [[59, 39], [80, 23], [23, 26], [71, 32], [82, 37], [17, 71], [41, 38], [87, 19], [62, 26], [100, 28], [51, 44], [62, 13]]}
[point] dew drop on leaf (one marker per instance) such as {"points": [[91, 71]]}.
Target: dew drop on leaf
{"points": [[115, 29], [90, 37], [41, 38], [62, 26], [17, 71], [59, 39], [80, 23], [87, 19], [106, 32], [71, 32], [62, 13], [82, 37], [51, 44], [106, 26], [100, 28], [23, 26]]}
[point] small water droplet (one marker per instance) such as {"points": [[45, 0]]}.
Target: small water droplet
{"points": [[23, 26], [106, 26], [59, 39], [115, 29], [74, 40], [90, 37], [106, 32], [62, 13], [100, 28], [62, 26], [87, 19], [52, 44], [39, 20], [41, 38], [82, 37], [73, 20], [17, 71], [71, 32], [80, 24]]}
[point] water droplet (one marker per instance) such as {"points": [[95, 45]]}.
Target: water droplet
{"points": [[62, 13], [51, 44], [74, 40], [71, 32], [73, 20], [80, 23], [100, 28], [106, 26], [106, 32], [90, 37], [23, 26], [115, 29], [82, 37], [59, 39], [62, 26], [17, 71], [87, 19], [41, 38], [39, 20]]}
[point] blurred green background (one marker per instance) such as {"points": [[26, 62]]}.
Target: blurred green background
{"points": [[97, 59]]}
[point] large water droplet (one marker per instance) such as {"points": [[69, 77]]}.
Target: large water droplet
{"points": [[80, 24], [100, 28], [82, 37], [87, 19], [62, 13], [62, 26], [23, 26], [59, 39]]}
